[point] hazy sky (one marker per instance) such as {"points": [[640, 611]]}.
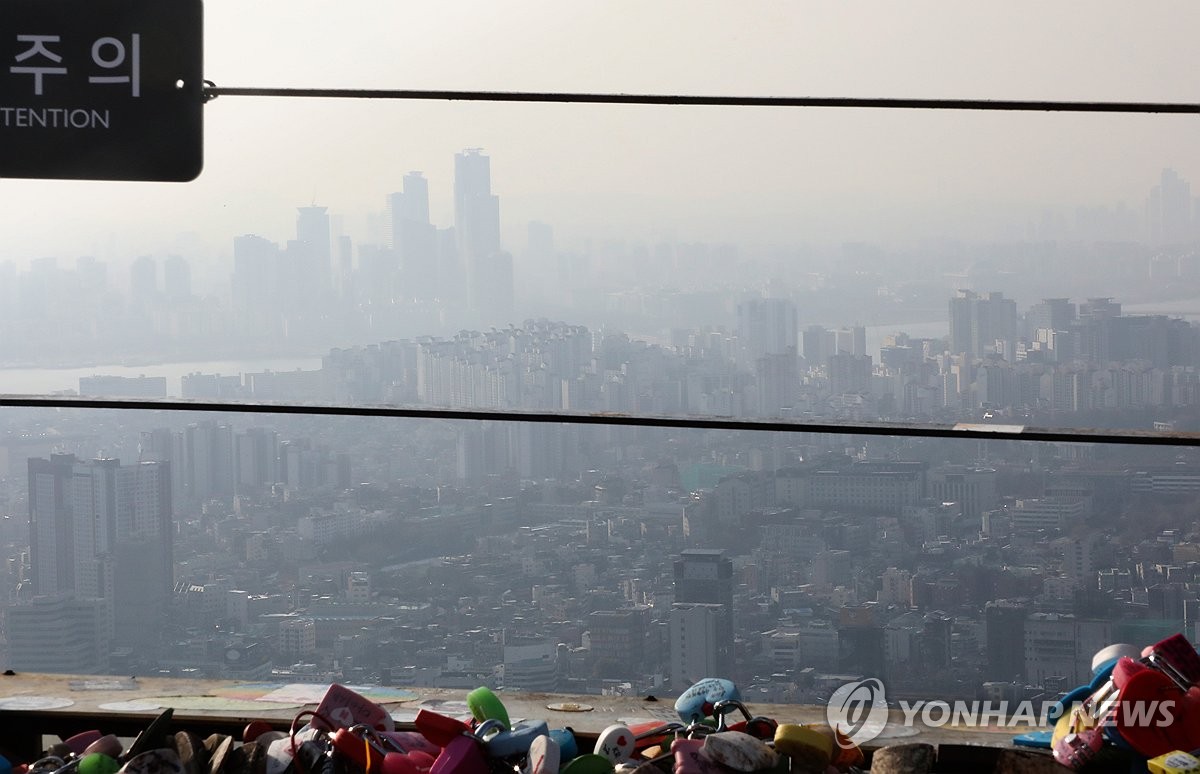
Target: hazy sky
{"points": [[691, 173]]}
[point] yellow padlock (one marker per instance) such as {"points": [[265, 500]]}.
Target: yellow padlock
{"points": [[1177, 762], [803, 744]]}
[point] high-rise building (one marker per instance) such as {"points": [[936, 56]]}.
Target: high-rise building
{"points": [[256, 304], [297, 638], [1004, 622], [143, 280], [59, 634], [972, 488], [530, 664], [1169, 209], [1054, 314], [489, 272], [163, 445], [706, 576], [100, 530], [414, 239], [257, 452], [766, 326], [819, 345], [618, 640], [177, 278], [852, 341], [1059, 648], [983, 325], [476, 209], [312, 255], [696, 637], [849, 373], [208, 460]]}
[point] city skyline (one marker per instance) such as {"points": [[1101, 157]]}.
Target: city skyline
{"points": [[912, 173]]}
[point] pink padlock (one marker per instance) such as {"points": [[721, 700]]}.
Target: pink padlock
{"points": [[108, 745], [80, 742], [463, 755], [690, 758]]}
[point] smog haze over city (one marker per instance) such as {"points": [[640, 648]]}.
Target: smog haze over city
{"points": [[811, 265]]}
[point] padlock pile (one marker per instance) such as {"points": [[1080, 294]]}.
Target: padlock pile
{"points": [[349, 734], [1142, 703]]}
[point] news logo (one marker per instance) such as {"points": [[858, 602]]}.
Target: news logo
{"points": [[859, 710]]}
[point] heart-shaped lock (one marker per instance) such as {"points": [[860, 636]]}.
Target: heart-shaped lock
{"points": [[616, 743]]}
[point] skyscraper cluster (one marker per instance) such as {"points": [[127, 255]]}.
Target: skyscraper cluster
{"points": [[414, 273], [101, 552]]}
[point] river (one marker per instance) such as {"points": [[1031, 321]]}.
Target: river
{"points": [[41, 381]]}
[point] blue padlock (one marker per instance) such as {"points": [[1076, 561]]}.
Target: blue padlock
{"points": [[568, 748], [501, 742], [696, 703]]}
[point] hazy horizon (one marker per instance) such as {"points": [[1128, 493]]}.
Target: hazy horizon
{"points": [[748, 175]]}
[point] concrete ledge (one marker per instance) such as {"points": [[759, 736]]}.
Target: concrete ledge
{"points": [[21, 730]]}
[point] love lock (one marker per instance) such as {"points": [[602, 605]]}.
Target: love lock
{"points": [[439, 729], [620, 743], [616, 743], [544, 757], [698, 701], [159, 761], [690, 758], [361, 746], [568, 748], [485, 705], [463, 755], [344, 708], [1077, 750], [408, 741], [756, 726], [98, 763], [412, 762], [501, 742], [80, 742], [739, 751]]}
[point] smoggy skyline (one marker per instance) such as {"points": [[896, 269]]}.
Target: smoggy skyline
{"points": [[732, 174]]}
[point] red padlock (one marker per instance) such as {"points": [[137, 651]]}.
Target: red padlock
{"points": [[1137, 715], [415, 762], [356, 746], [409, 741], [439, 729]]}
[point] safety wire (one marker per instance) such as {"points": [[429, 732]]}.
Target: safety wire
{"points": [[212, 91]]}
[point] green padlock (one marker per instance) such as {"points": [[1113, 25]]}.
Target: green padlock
{"points": [[589, 764], [98, 763], [485, 705]]}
